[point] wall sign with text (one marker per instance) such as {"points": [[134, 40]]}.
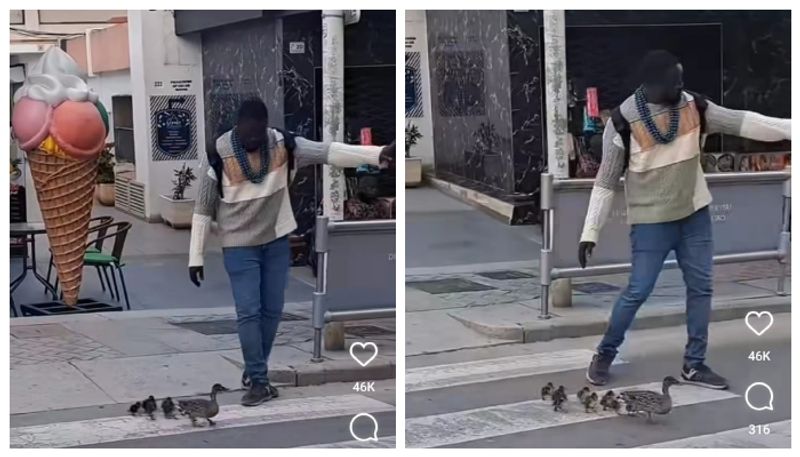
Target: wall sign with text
{"points": [[173, 127]]}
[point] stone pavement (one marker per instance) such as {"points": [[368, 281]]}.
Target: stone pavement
{"points": [[60, 362], [500, 306]]}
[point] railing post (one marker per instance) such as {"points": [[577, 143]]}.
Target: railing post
{"points": [[786, 236], [318, 303], [545, 266]]}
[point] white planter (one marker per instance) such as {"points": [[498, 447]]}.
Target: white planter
{"points": [[413, 171], [177, 213]]}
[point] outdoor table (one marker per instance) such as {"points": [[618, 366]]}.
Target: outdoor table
{"points": [[29, 231]]}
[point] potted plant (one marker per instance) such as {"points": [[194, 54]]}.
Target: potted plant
{"points": [[413, 164], [104, 190], [177, 210]]}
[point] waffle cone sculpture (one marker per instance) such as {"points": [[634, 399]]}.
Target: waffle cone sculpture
{"points": [[59, 122], [65, 189]]}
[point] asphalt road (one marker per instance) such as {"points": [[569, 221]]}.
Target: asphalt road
{"points": [[490, 397], [314, 416]]}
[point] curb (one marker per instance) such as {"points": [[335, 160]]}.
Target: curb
{"points": [[311, 374], [557, 327]]}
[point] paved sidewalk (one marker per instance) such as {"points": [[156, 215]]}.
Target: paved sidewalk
{"points": [[60, 362], [501, 306]]}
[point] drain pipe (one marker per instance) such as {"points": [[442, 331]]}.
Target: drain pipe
{"points": [[333, 183]]}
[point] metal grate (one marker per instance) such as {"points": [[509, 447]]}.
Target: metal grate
{"points": [[367, 330], [595, 287], [226, 326], [449, 285], [505, 275]]}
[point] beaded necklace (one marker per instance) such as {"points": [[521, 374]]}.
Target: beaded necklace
{"points": [[647, 118], [244, 162]]}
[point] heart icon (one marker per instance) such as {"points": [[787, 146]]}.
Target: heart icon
{"points": [[758, 321], [368, 346]]}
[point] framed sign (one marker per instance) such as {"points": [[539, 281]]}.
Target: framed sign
{"points": [[173, 127]]}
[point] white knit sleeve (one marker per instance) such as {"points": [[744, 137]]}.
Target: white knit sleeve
{"points": [[747, 124], [200, 227], [611, 169], [205, 208], [340, 155]]}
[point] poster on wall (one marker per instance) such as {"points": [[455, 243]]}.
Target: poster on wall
{"points": [[413, 89], [173, 120]]}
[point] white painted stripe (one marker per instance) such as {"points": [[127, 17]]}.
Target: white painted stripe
{"points": [[459, 427], [111, 429], [383, 442], [456, 374], [780, 436]]}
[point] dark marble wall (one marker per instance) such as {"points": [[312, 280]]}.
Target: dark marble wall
{"points": [[256, 58], [471, 98], [740, 59]]}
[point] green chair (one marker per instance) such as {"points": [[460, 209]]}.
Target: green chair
{"points": [[110, 262], [96, 224]]}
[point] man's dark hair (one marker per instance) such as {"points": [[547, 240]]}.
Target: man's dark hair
{"points": [[654, 64], [253, 108]]}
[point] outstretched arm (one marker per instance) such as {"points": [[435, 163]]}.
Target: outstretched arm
{"points": [[611, 168], [747, 124], [337, 154]]}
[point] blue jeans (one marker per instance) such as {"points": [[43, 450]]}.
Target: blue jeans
{"points": [[691, 240], [258, 279]]}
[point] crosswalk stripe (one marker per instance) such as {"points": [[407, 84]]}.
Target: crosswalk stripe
{"points": [[780, 436], [111, 429], [455, 374], [462, 426], [383, 442]]}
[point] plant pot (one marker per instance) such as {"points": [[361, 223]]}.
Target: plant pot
{"points": [[104, 193], [177, 213], [413, 171]]}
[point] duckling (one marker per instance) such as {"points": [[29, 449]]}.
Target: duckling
{"points": [[134, 409], [606, 401], [150, 407], [169, 408], [649, 402], [590, 402], [582, 393], [547, 391], [200, 407], [559, 399]]}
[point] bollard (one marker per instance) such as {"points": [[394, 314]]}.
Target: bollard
{"points": [[561, 293], [334, 336]]}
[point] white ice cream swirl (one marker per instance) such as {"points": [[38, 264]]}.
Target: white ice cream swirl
{"points": [[54, 79]]}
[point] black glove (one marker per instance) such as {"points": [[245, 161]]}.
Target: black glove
{"points": [[196, 275], [387, 156], [584, 251]]}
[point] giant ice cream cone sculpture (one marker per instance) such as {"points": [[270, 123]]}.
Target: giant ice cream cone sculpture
{"points": [[61, 125]]}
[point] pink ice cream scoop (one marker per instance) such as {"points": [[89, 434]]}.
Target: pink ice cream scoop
{"points": [[30, 122], [78, 129]]}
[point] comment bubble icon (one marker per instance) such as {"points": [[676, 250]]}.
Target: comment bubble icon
{"points": [[364, 420], [759, 397]]}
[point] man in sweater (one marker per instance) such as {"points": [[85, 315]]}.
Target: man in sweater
{"points": [[654, 138], [246, 190]]}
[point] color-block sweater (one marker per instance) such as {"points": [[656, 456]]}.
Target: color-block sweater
{"points": [[252, 214], [665, 182]]}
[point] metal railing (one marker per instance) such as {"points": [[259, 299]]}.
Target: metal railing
{"points": [[326, 309], [548, 272]]}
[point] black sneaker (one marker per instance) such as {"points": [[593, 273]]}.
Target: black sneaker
{"points": [[246, 381], [273, 391], [597, 373], [256, 395], [701, 375]]}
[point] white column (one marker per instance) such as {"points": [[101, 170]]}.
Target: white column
{"points": [[555, 77], [333, 183], [162, 65]]}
